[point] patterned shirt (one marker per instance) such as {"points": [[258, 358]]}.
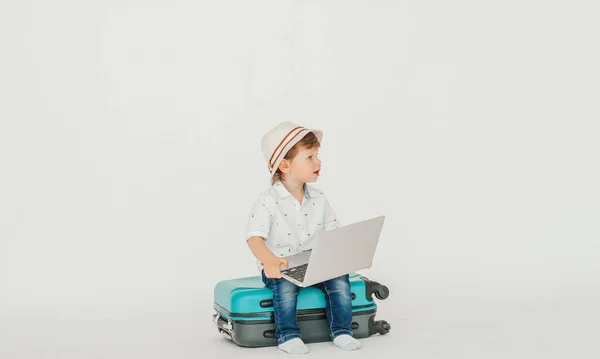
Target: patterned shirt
{"points": [[288, 226]]}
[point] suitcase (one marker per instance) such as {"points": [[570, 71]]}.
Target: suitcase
{"points": [[244, 311]]}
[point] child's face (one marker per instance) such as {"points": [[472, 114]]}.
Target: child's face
{"points": [[305, 167]]}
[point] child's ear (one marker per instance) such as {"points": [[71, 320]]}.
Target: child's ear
{"points": [[284, 166]]}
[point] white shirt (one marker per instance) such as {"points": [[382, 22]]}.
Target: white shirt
{"points": [[287, 225]]}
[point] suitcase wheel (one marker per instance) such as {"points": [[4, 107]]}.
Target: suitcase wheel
{"points": [[382, 326], [381, 291]]}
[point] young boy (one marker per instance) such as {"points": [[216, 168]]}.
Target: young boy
{"points": [[283, 221]]}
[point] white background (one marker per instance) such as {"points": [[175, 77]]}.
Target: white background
{"points": [[130, 158]]}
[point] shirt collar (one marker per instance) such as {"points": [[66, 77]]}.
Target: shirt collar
{"points": [[282, 192]]}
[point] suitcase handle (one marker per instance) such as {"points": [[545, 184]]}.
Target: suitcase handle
{"points": [[268, 303]]}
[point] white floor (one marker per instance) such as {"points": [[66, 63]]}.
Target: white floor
{"points": [[420, 329]]}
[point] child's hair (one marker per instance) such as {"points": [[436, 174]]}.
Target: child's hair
{"points": [[309, 141]]}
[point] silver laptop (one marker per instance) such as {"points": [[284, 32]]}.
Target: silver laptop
{"points": [[335, 252]]}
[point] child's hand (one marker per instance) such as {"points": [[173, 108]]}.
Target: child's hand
{"points": [[271, 267]]}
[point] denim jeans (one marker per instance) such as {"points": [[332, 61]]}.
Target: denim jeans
{"points": [[338, 306]]}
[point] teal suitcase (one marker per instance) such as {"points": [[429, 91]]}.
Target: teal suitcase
{"points": [[244, 311]]}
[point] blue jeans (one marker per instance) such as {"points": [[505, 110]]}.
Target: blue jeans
{"points": [[338, 306]]}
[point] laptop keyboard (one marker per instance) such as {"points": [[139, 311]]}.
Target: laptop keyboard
{"points": [[297, 272]]}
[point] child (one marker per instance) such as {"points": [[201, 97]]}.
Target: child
{"points": [[284, 220]]}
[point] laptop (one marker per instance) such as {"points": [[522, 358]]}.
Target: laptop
{"points": [[335, 252]]}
